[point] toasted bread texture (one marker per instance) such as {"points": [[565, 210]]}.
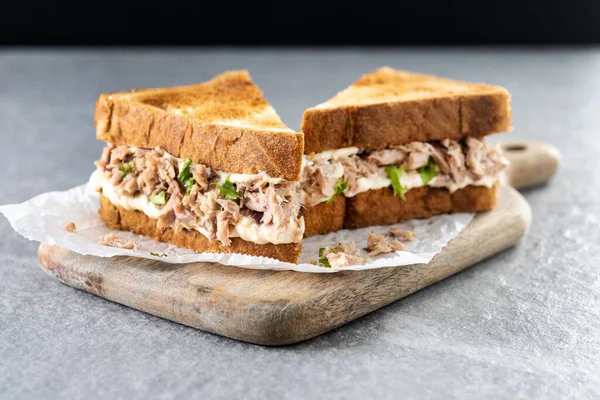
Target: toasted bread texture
{"points": [[381, 207], [135, 221], [388, 107], [324, 217], [224, 123]]}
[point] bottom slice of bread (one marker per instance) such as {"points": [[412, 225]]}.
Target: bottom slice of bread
{"points": [[382, 207], [324, 217], [117, 217]]}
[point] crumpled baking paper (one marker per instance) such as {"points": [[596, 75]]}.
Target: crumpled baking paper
{"points": [[42, 218]]}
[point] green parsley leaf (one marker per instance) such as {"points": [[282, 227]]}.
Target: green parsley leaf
{"points": [[158, 255], [427, 172], [184, 172], [394, 174], [228, 190], [160, 198], [338, 188], [322, 259], [185, 176], [124, 170], [188, 185]]}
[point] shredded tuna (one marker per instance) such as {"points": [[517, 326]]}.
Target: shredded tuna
{"points": [[203, 206], [136, 171], [342, 255], [475, 153], [69, 226], [116, 178], [201, 174], [354, 169], [417, 159], [409, 236], [226, 219], [456, 160], [105, 158], [482, 160], [113, 240], [421, 150], [457, 164], [118, 154], [130, 184], [318, 181], [274, 213], [377, 244], [391, 156]]}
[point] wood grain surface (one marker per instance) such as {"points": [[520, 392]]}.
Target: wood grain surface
{"points": [[274, 308], [531, 162]]}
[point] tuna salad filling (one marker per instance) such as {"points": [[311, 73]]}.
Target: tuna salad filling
{"points": [[448, 164], [182, 194]]}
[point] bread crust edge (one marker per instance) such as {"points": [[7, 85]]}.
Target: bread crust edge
{"points": [[324, 217], [382, 207], [380, 125], [234, 149]]}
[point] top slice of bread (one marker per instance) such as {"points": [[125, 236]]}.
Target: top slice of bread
{"points": [[224, 123], [389, 107]]}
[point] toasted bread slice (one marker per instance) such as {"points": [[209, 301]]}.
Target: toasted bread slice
{"points": [[324, 217], [390, 107], [224, 123], [117, 217], [382, 207]]}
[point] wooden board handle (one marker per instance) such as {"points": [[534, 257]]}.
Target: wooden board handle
{"points": [[531, 162]]}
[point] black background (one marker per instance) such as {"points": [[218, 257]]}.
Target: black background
{"points": [[311, 22]]}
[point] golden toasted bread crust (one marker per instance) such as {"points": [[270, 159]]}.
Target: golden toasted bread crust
{"points": [[224, 123], [390, 107], [324, 217], [137, 222], [381, 207]]}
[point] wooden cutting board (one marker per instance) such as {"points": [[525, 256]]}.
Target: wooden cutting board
{"points": [[283, 307]]}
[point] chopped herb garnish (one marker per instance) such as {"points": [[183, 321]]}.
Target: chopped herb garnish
{"points": [[427, 172], [394, 174], [158, 255], [228, 190], [160, 198], [184, 172], [322, 259], [338, 188], [185, 176], [188, 185], [125, 170]]}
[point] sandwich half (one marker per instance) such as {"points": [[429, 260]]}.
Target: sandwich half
{"points": [[397, 145], [210, 167]]}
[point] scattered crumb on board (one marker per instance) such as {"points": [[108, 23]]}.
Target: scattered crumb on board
{"points": [[342, 255], [112, 240], [377, 244], [345, 254], [69, 226], [409, 236]]}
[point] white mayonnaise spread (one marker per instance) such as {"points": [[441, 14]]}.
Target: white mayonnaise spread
{"points": [[337, 153], [243, 178], [247, 229], [412, 179], [488, 181]]}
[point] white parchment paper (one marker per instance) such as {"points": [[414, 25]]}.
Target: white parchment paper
{"points": [[41, 219]]}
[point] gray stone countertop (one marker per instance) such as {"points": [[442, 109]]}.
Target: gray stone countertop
{"points": [[523, 324]]}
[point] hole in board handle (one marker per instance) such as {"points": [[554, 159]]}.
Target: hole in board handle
{"points": [[515, 148]]}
